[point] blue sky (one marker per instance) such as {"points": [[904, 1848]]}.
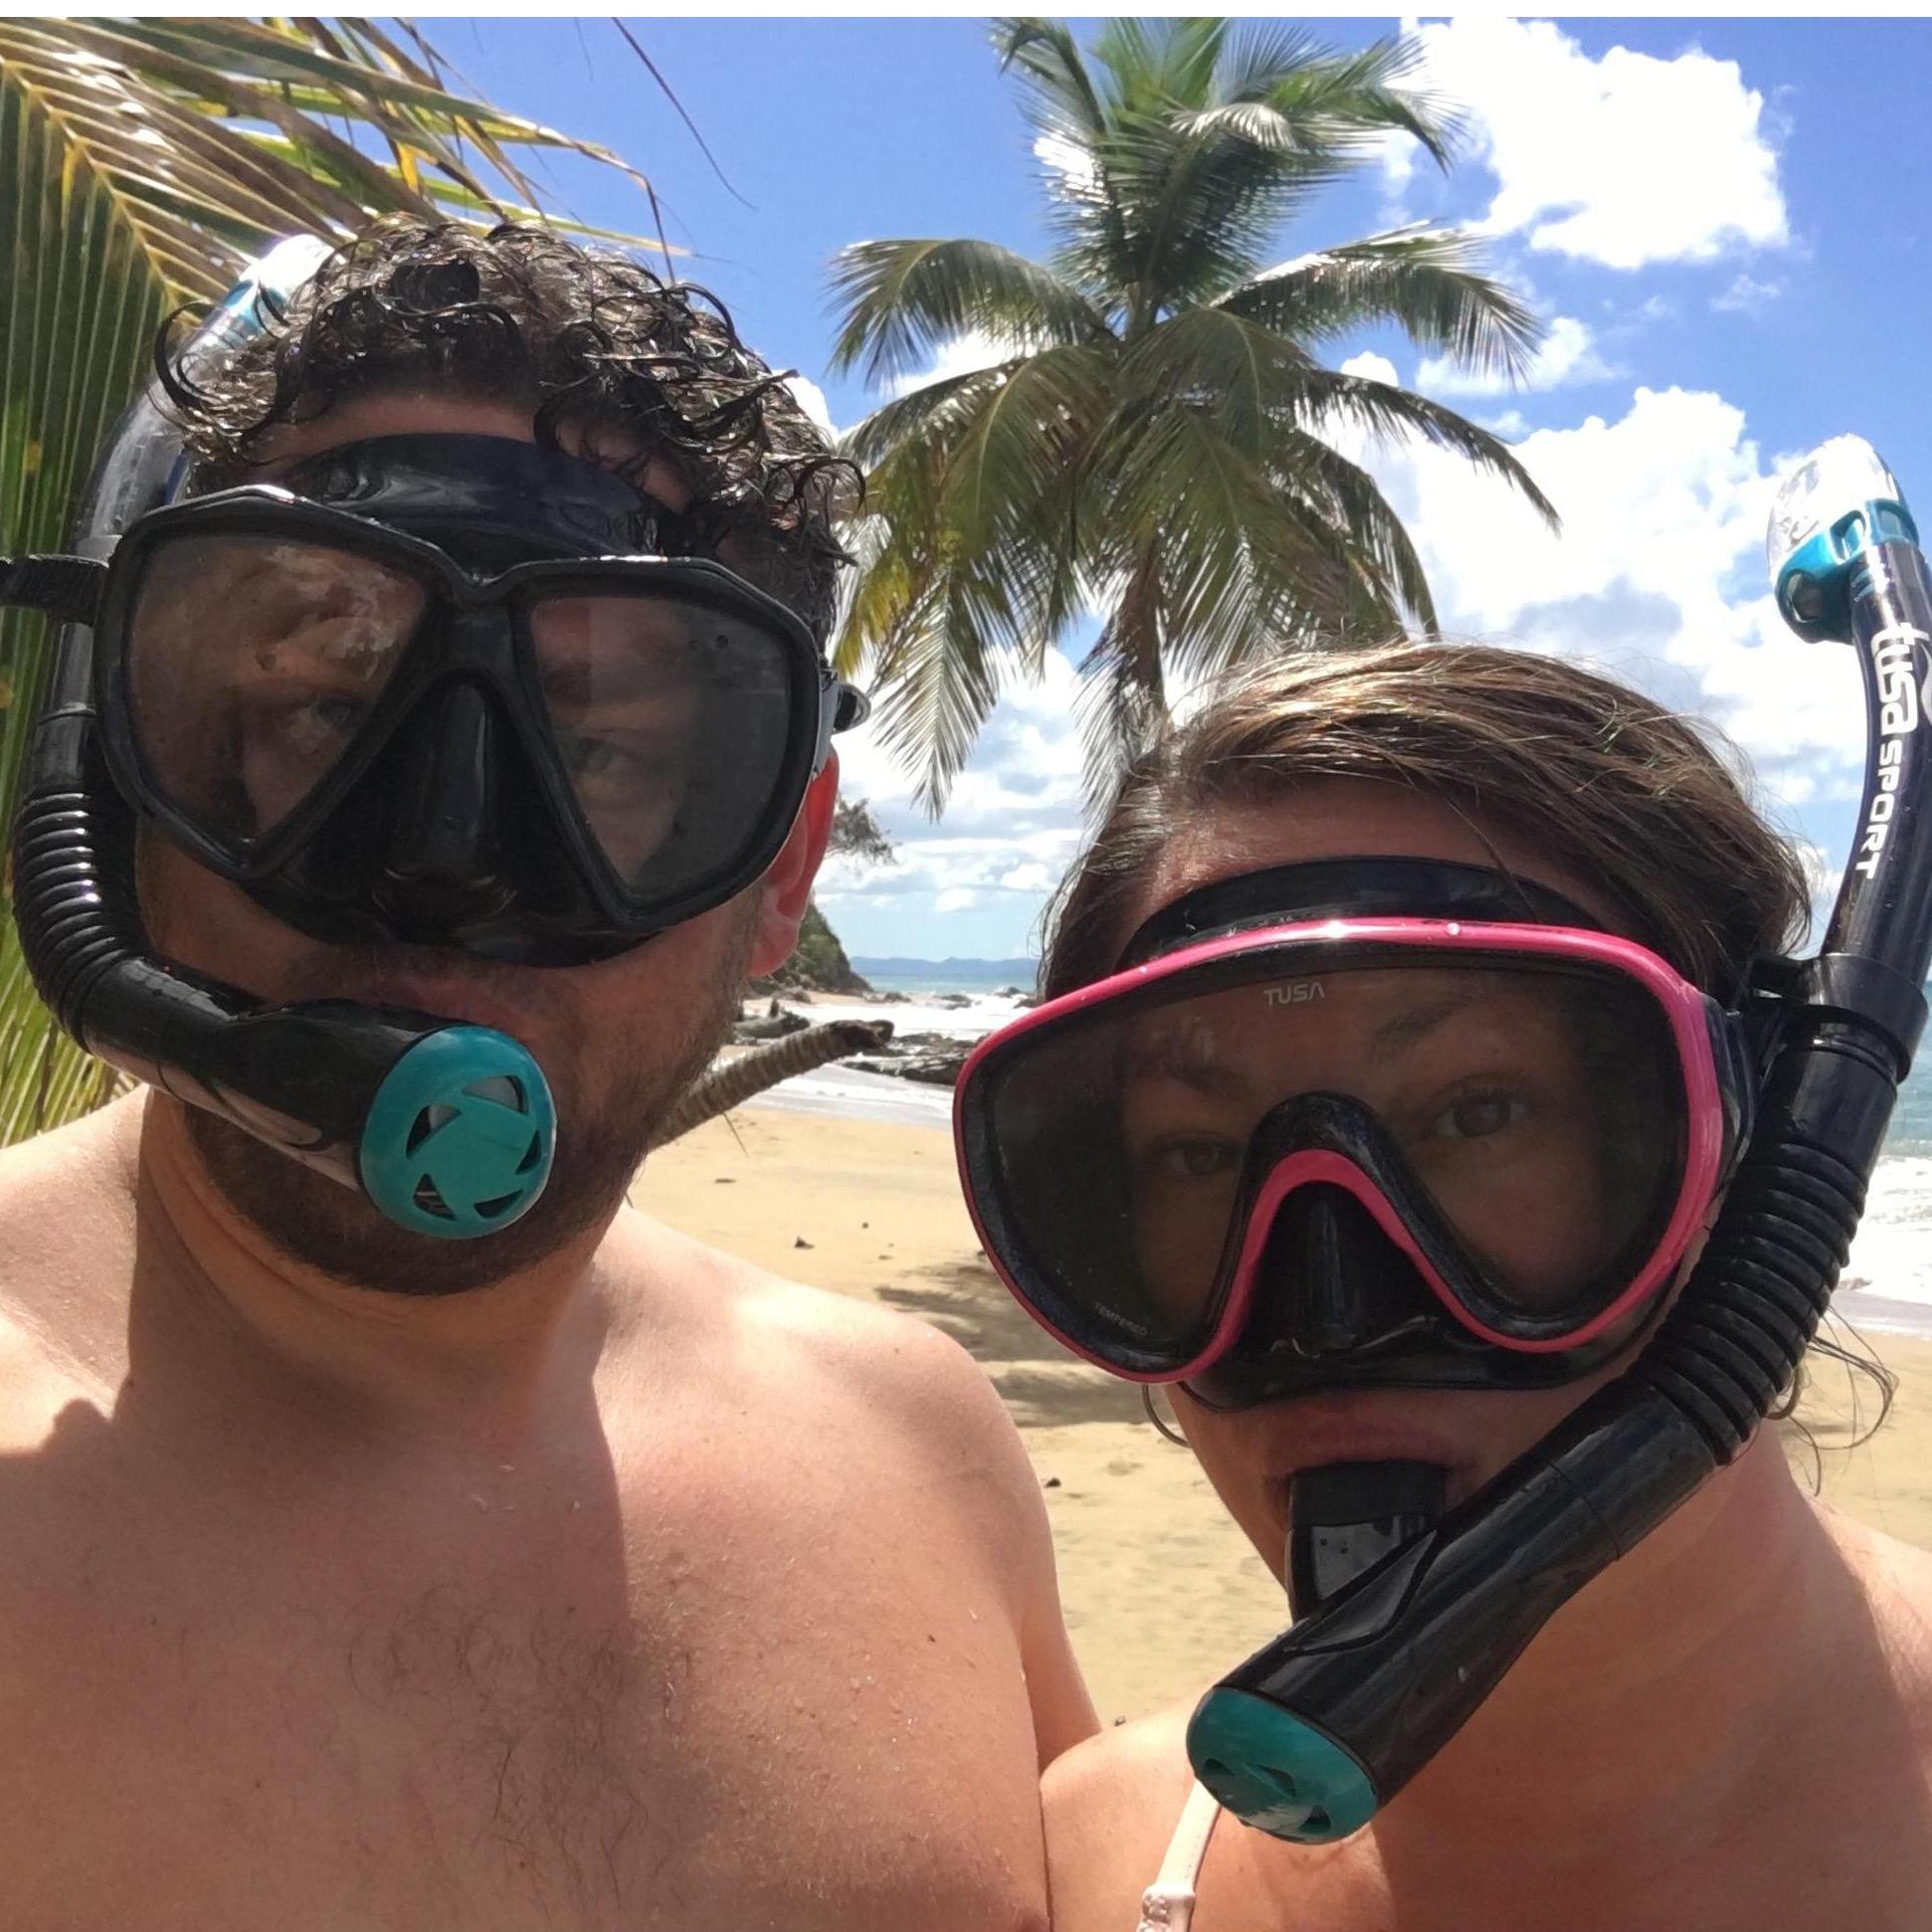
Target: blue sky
{"points": [[1720, 220]]}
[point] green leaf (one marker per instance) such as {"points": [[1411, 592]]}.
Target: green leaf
{"points": [[906, 301]]}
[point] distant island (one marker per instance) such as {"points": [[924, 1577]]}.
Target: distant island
{"points": [[973, 972]]}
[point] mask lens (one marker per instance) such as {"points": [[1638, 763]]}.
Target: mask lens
{"points": [[252, 663], [671, 722], [1535, 1112]]}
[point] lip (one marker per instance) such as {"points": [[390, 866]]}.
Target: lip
{"points": [[1311, 1432]]}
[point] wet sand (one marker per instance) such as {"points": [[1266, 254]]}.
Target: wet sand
{"points": [[1160, 1589]]}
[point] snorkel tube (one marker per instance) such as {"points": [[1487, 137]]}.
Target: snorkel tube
{"points": [[448, 1129], [1313, 1734]]}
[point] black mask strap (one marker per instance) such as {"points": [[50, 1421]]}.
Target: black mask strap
{"points": [[1353, 888], [494, 498]]}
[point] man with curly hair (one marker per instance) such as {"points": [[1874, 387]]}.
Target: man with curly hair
{"points": [[575, 1576]]}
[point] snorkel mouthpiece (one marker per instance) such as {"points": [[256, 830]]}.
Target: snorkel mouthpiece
{"points": [[1345, 1517], [1313, 1734], [460, 1137]]}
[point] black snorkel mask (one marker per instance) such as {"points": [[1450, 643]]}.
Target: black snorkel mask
{"points": [[438, 690], [1414, 1615]]}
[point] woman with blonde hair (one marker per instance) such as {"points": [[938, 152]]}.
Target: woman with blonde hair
{"points": [[1404, 1029]]}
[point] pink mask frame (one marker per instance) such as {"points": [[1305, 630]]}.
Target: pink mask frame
{"points": [[1685, 1009]]}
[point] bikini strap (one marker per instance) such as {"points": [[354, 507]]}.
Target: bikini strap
{"points": [[1168, 1903]]}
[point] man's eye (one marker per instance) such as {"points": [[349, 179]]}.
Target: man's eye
{"points": [[592, 757], [308, 723]]}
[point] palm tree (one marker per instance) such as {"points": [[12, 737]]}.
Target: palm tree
{"points": [[142, 163], [1155, 433]]}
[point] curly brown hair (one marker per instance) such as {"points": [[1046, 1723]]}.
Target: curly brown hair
{"points": [[583, 335]]}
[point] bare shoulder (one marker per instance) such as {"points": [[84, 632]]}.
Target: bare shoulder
{"points": [[1897, 1578], [1112, 1804], [847, 1354]]}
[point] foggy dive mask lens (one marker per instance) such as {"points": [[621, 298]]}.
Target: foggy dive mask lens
{"points": [[1288, 1156], [543, 759]]}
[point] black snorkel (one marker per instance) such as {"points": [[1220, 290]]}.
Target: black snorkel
{"points": [[448, 1129], [1313, 1735]]}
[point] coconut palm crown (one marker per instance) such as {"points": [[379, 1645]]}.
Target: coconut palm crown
{"points": [[1157, 437]]}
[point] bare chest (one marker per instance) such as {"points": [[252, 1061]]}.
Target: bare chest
{"points": [[672, 1711]]}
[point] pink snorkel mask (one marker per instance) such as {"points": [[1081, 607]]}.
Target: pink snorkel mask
{"points": [[1384, 1123]]}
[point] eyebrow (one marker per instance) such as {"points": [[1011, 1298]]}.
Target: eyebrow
{"points": [[1217, 1082], [1404, 1028]]}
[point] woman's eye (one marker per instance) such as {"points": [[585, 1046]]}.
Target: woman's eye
{"points": [[1478, 1116]]}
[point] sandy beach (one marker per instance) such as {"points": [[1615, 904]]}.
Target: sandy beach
{"points": [[1160, 1589]]}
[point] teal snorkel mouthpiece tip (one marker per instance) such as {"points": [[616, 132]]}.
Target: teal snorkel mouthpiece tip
{"points": [[461, 1135], [1277, 1770]]}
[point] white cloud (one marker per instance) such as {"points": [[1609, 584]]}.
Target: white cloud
{"points": [[1011, 829], [1066, 157], [1624, 160], [1377, 368], [811, 399], [1658, 575], [959, 357], [1747, 295], [1568, 355]]}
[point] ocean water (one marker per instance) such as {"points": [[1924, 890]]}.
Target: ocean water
{"points": [[1887, 1284], [918, 985]]}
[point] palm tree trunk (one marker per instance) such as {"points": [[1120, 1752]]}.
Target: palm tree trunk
{"points": [[730, 1084]]}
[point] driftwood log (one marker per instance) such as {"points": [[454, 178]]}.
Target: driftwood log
{"points": [[730, 1084]]}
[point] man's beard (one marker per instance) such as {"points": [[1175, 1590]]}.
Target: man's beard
{"points": [[326, 1226]]}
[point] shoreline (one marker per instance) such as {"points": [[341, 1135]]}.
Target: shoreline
{"points": [[1160, 1589]]}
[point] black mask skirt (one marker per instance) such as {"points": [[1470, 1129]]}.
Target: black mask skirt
{"points": [[460, 692]]}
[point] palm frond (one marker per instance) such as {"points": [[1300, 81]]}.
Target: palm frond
{"points": [[1423, 279], [941, 408], [1345, 498], [1244, 565], [1203, 167], [1253, 380], [1358, 95], [905, 301], [1384, 409], [1056, 89], [1029, 432], [1160, 67], [984, 487], [938, 684]]}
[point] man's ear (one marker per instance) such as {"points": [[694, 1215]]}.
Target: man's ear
{"points": [[786, 889]]}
